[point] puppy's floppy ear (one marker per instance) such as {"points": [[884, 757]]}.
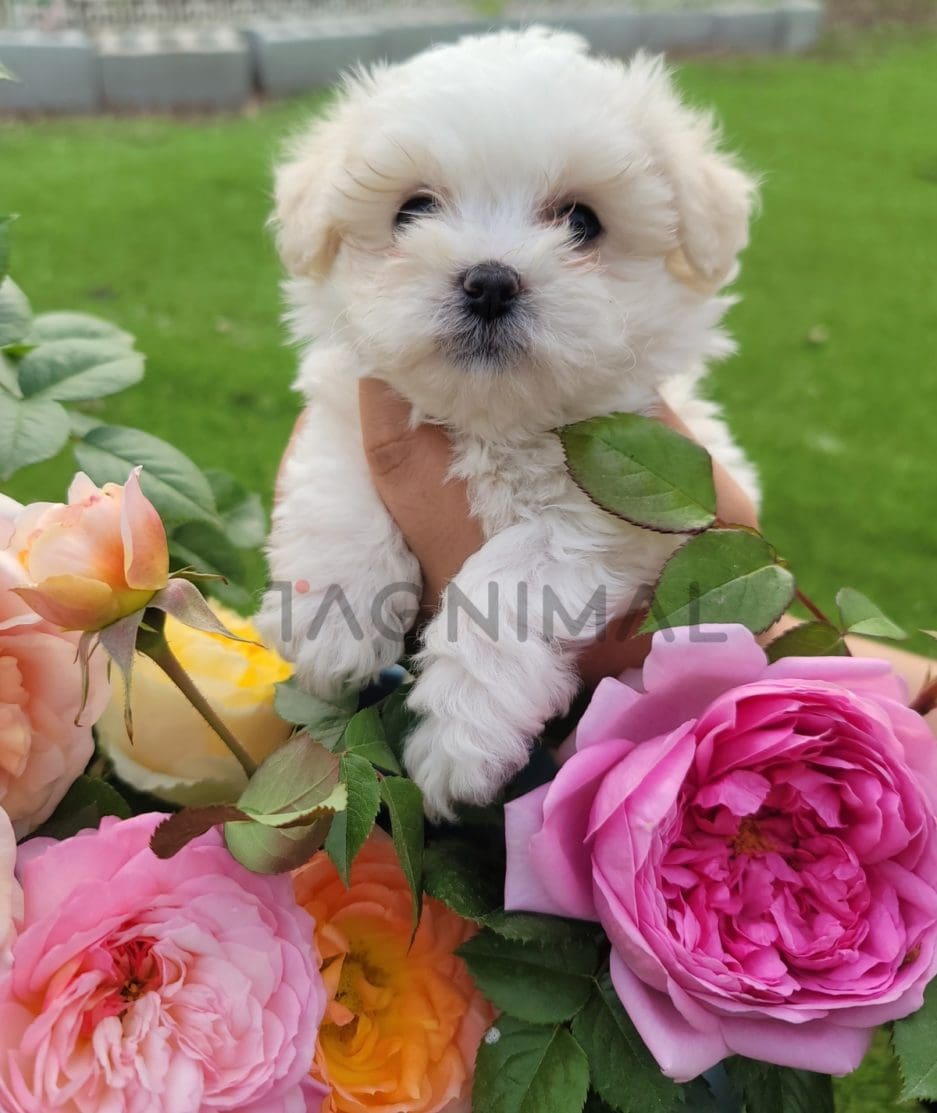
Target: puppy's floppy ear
{"points": [[713, 197], [303, 216]]}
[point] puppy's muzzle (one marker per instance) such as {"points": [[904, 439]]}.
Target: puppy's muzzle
{"points": [[490, 289]]}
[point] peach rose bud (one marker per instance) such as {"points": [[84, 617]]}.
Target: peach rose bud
{"points": [[97, 559]]}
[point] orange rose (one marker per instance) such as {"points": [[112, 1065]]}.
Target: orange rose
{"points": [[403, 1023], [93, 561]]}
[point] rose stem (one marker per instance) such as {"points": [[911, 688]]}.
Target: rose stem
{"points": [[163, 656], [807, 602], [926, 699]]}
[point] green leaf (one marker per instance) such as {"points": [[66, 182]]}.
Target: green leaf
{"points": [[7, 75], [543, 985], [75, 326], [81, 423], [404, 802], [397, 718], [175, 486], [5, 223], [640, 470], [351, 827], [364, 736], [523, 1068], [545, 931], [84, 805], [78, 370], [245, 522], [860, 615], [15, 313], [452, 874], [623, 1071], [31, 430], [723, 576], [764, 1088], [915, 1040], [275, 849], [204, 548], [594, 1104], [294, 782], [325, 721], [810, 639], [9, 380]]}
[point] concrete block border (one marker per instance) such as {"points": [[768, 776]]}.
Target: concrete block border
{"points": [[219, 69], [56, 72], [174, 70]]}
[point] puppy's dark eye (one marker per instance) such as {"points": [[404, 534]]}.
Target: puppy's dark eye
{"points": [[419, 205], [582, 223]]}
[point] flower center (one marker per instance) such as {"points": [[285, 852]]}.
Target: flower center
{"points": [[129, 971], [750, 840], [362, 992]]}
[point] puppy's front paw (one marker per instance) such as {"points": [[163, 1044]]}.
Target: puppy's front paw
{"points": [[330, 648], [455, 762]]}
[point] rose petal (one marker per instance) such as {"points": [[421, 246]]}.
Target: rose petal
{"points": [[146, 554]]}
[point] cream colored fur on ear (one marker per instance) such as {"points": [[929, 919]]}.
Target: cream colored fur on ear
{"points": [[307, 237], [714, 198]]}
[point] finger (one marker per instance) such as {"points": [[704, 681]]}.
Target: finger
{"points": [[410, 465]]}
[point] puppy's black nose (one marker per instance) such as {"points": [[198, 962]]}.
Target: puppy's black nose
{"points": [[490, 289]]}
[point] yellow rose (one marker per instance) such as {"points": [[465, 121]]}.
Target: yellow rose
{"points": [[175, 754]]}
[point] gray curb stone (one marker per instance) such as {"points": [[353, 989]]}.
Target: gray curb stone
{"points": [[56, 72], [290, 57], [190, 68]]}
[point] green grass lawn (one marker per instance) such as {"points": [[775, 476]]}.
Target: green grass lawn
{"points": [[158, 225]]}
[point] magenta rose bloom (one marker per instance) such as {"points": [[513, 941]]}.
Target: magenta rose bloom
{"points": [[147, 986], [758, 841]]}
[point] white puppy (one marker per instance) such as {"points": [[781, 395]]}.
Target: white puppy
{"points": [[515, 236]]}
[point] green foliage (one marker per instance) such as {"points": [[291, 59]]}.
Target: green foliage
{"points": [[352, 826], [809, 639], [404, 803], [78, 370], [622, 1069], [455, 873], [15, 313], [859, 615], [915, 1043], [85, 804], [325, 721], [725, 575], [763, 1088], [640, 470], [530, 981], [526, 1068], [365, 737]]}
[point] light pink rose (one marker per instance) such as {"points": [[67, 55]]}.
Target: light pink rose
{"points": [[93, 561], [42, 747], [148, 986], [11, 896], [757, 840]]}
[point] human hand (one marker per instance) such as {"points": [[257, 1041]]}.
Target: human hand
{"points": [[410, 464]]}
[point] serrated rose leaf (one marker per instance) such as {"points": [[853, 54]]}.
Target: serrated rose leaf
{"points": [[273, 849], [352, 826], [299, 779], [638, 469], [178, 830], [524, 1068], [542, 985], [68, 325], [365, 737], [768, 1089], [79, 370], [325, 721], [623, 1071], [15, 313], [915, 1041], [810, 639], [723, 576], [860, 615], [404, 803]]}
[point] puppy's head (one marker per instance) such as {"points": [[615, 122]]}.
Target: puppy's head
{"points": [[512, 233]]}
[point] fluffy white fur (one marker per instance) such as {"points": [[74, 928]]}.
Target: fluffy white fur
{"points": [[504, 131]]}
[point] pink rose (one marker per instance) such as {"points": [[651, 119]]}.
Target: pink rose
{"points": [[148, 986], [42, 747], [94, 561], [757, 840], [11, 897]]}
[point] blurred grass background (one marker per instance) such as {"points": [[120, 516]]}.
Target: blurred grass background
{"points": [[159, 225]]}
